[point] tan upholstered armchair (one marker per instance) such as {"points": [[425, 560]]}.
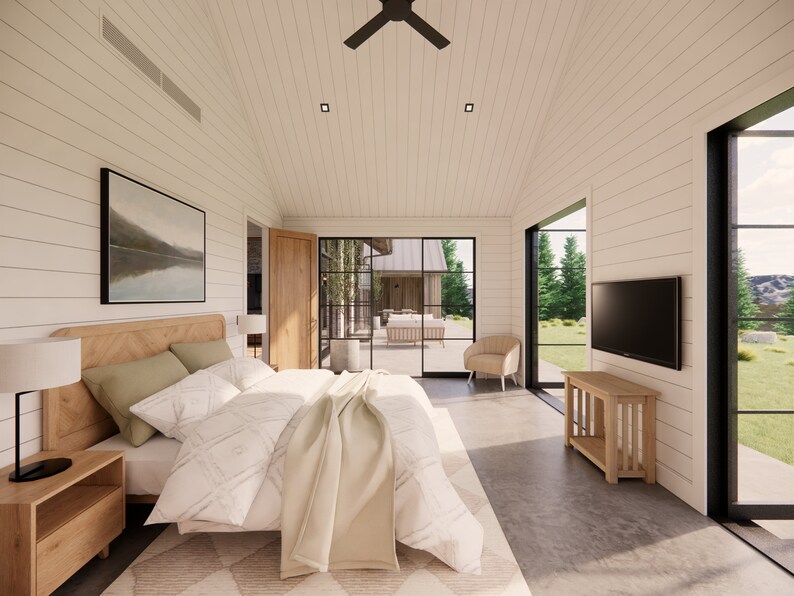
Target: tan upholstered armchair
{"points": [[495, 354]]}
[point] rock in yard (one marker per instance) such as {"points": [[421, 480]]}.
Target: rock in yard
{"points": [[759, 337]]}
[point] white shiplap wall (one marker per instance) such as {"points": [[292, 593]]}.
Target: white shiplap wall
{"points": [[69, 105], [639, 79], [492, 256]]}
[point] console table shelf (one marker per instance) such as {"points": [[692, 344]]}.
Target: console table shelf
{"points": [[603, 403]]}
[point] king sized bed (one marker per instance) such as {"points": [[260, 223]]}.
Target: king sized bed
{"points": [[226, 469]]}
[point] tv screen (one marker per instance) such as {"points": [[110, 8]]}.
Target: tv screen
{"points": [[639, 319]]}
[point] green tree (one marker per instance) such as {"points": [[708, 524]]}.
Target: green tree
{"points": [[745, 303], [454, 286], [548, 284], [572, 296], [787, 327], [343, 281]]}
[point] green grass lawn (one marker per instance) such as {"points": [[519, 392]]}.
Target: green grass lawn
{"points": [[467, 323], [767, 383], [566, 357]]}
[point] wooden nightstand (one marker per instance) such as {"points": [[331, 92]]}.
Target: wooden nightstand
{"points": [[49, 528]]}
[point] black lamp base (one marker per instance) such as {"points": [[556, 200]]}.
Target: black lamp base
{"points": [[40, 469]]}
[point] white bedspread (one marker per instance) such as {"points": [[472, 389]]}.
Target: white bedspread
{"points": [[228, 474]]}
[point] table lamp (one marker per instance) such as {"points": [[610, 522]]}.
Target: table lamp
{"points": [[28, 365], [250, 325]]}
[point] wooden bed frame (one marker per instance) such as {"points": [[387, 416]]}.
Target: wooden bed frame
{"points": [[73, 420]]}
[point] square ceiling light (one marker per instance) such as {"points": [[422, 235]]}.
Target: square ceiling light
{"points": [[324, 107], [469, 107]]}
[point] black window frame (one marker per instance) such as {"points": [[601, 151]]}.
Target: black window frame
{"points": [[531, 331], [371, 303], [722, 317]]}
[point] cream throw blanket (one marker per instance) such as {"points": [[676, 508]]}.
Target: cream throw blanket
{"points": [[338, 494]]}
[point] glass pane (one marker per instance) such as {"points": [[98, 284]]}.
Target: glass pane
{"points": [[399, 358], [766, 273], [445, 358], [554, 359], [344, 254], [766, 176], [766, 372], [453, 325], [449, 254], [351, 320], [455, 288], [561, 249], [559, 331], [782, 121], [574, 221], [766, 458]]}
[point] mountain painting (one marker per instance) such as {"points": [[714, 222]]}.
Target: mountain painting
{"points": [[153, 246]]}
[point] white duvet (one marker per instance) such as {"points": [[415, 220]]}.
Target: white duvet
{"points": [[228, 474]]}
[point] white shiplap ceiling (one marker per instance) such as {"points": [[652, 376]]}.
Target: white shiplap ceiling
{"points": [[397, 142]]}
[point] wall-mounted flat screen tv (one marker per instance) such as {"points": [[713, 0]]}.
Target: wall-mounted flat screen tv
{"points": [[639, 319]]}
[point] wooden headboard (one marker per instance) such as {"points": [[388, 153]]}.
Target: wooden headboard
{"points": [[73, 419]]}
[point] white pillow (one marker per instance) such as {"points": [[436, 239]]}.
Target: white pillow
{"points": [[242, 372], [177, 409], [400, 317]]}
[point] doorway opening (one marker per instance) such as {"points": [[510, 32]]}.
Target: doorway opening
{"points": [[256, 294], [556, 301]]}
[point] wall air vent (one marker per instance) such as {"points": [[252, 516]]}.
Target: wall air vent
{"points": [[179, 97], [130, 51]]}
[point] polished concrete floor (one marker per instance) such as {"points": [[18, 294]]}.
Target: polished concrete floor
{"points": [[571, 532]]}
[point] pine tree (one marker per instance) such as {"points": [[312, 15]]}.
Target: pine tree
{"points": [[573, 282], [454, 286], [745, 300], [787, 327], [548, 284]]}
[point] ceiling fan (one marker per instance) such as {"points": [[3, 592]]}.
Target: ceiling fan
{"points": [[396, 10]]}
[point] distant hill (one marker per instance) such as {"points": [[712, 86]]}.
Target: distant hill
{"points": [[772, 289]]}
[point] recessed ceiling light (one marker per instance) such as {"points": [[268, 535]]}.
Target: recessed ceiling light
{"points": [[324, 107], [469, 107]]}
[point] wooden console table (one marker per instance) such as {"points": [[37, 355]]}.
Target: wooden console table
{"points": [[600, 397]]}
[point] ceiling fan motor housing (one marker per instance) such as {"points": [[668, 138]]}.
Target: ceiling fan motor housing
{"points": [[397, 10]]}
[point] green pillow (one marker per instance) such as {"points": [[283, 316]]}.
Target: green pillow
{"points": [[200, 355], [117, 387]]}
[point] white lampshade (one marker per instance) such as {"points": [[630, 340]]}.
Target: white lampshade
{"points": [[249, 324], [38, 363]]}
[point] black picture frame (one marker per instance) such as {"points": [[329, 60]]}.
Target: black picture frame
{"points": [[153, 247]]}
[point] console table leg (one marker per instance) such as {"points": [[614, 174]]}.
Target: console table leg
{"points": [[649, 439], [611, 440], [568, 412]]}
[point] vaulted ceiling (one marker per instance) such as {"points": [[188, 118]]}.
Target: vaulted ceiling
{"points": [[396, 141]]}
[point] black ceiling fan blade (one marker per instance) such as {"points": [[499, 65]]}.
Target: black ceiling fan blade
{"points": [[427, 31], [367, 30]]}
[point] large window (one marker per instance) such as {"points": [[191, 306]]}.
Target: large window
{"points": [[752, 411], [557, 298], [405, 305]]}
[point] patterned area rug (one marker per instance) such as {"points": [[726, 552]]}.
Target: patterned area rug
{"points": [[248, 563]]}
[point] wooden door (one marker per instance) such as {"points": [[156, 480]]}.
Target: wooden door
{"points": [[293, 299]]}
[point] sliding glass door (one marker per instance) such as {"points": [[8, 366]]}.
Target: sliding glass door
{"points": [[761, 320], [556, 298]]}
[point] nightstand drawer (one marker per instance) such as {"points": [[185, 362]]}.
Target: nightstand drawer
{"points": [[65, 549]]}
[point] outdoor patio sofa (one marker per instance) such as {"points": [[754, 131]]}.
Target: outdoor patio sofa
{"points": [[408, 329]]}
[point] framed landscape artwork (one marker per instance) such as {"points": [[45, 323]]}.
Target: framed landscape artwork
{"points": [[152, 245]]}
